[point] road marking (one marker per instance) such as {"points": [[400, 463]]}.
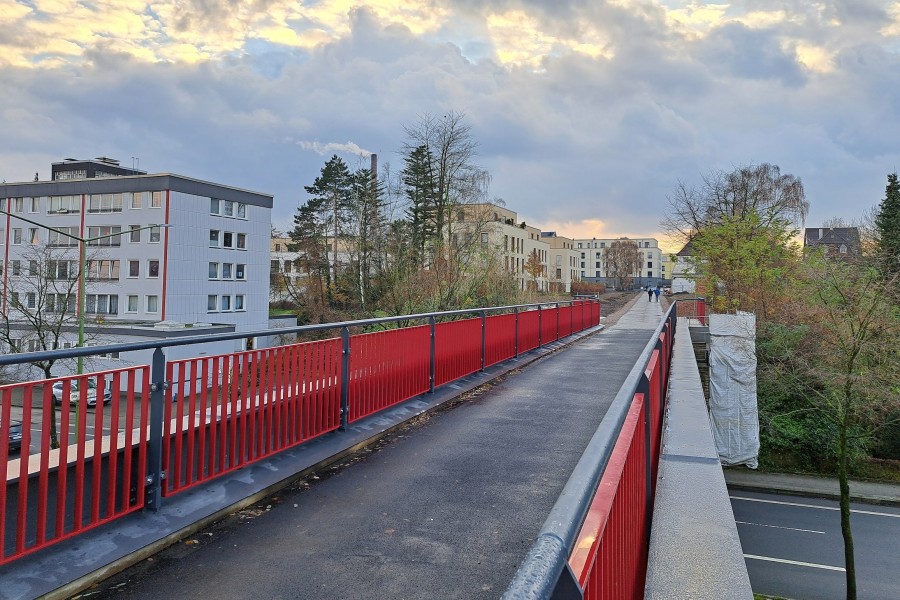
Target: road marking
{"points": [[794, 562], [779, 527], [853, 510]]}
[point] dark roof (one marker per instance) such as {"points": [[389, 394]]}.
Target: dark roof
{"points": [[831, 236], [688, 249]]}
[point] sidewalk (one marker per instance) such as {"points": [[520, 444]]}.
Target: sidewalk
{"points": [[808, 485]]}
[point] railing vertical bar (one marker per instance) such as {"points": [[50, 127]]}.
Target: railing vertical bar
{"points": [[345, 377], [154, 444]]}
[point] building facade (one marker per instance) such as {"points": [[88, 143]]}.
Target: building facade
{"points": [[592, 263], [563, 267], [160, 248]]}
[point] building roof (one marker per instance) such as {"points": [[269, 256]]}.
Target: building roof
{"points": [[831, 236], [157, 182]]}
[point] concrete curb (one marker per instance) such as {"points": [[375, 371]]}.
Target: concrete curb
{"points": [[808, 485]]}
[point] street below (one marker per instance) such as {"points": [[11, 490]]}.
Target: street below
{"points": [[794, 549]]}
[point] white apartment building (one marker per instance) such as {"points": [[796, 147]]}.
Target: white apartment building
{"points": [[284, 271], [204, 264], [592, 265], [563, 265]]}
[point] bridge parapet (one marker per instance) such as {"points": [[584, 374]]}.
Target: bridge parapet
{"points": [[695, 551]]}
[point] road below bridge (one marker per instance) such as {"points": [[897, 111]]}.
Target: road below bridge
{"points": [[444, 508]]}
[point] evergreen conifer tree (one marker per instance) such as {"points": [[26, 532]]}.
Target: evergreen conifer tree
{"points": [[887, 225]]}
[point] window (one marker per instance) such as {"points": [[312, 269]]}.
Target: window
{"points": [[597, 264], [242, 241], [152, 304], [153, 268], [17, 205], [62, 270], [104, 203], [582, 266], [135, 234], [228, 208], [154, 235], [597, 255], [31, 300], [17, 267], [107, 270], [61, 302], [228, 240], [484, 238], [33, 236], [582, 256], [17, 236], [603, 244], [108, 235], [64, 237], [226, 270], [579, 244], [559, 273], [136, 199], [278, 246], [156, 200], [134, 268], [64, 204], [649, 273], [213, 270], [132, 305], [212, 302], [14, 298], [239, 302], [33, 268], [241, 210], [275, 265], [287, 266], [214, 206], [102, 304], [226, 303], [649, 264], [213, 238], [596, 273], [239, 271]]}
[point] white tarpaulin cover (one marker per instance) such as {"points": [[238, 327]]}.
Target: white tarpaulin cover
{"points": [[732, 388]]}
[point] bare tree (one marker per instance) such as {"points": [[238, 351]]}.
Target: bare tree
{"points": [[760, 189], [535, 268], [623, 260], [42, 305]]}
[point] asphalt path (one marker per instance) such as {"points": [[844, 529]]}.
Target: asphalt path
{"points": [[446, 508], [793, 546]]}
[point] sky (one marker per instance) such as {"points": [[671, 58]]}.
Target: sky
{"points": [[587, 113]]}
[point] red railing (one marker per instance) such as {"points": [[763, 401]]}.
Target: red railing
{"points": [[457, 349], [610, 554], [387, 367], [94, 475], [221, 413]]}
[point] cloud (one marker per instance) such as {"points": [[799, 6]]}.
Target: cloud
{"points": [[332, 147]]}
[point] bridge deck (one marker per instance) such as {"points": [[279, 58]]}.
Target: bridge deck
{"points": [[446, 508]]}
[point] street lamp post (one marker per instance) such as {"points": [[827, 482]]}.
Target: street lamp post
{"points": [[82, 267]]}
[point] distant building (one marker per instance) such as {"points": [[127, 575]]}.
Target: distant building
{"points": [[683, 272], [593, 265], [563, 267], [837, 241]]}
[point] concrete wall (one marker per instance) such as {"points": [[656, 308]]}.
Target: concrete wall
{"points": [[695, 551]]}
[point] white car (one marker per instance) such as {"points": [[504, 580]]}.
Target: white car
{"points": [[75, 394]]}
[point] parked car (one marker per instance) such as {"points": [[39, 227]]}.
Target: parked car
{"points": [[15, 436], [74, 393]]}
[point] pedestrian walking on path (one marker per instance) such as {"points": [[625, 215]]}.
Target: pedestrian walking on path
{"points": [[656, 293], [649, 295]]}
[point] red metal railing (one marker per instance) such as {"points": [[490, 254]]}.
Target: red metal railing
{"points": [[457, 349], [610, 554], [387, 367], [95, 475], [221, 413]]}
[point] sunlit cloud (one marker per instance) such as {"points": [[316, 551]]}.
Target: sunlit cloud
{"points": [[332, 147]]}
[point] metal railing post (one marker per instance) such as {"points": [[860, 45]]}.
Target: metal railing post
{"points": [[432, 358], [540, 326], [155, 473], [516, 311], [557, 320], [345, 377], [644, 388], [483, 336]]}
